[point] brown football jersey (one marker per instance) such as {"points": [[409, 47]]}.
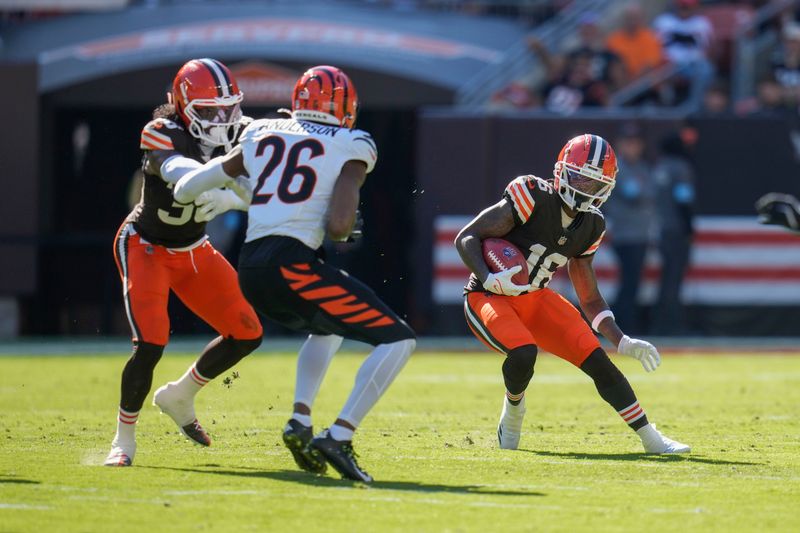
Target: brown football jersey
{"points": [[158, 218], [538, 231]]}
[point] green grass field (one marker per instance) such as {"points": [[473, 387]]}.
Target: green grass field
{"points": [[430, 444]]}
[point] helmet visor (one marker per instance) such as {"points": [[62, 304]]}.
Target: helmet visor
{"points": [[217, 114], [586, 185]]}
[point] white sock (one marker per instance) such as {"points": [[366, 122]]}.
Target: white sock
{"points": [[312, 363], [338, 432], [191, 382], [509, 407], [303, 419], [126, 426], [375, 375], [649, 434]]}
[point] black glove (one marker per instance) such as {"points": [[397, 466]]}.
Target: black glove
{"points": [[780, 209], [358, 228]]}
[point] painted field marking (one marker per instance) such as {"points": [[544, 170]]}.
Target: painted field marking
{"points": [[25, 506], [365, 495]]}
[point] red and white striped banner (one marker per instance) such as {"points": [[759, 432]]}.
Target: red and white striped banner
{"points": [[734, 261]]}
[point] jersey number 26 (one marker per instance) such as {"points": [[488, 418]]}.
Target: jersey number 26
{"points": [[292, 169]]}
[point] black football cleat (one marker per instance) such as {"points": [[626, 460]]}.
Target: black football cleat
{"points": [[196, 433], [296, 437], [340, 454]]}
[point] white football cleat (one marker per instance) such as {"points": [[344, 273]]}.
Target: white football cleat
{"points": [[656, 443], [509, 429], [181, 410], [121, 454]]}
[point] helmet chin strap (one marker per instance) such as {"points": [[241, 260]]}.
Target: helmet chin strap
{"points": [[207, 139], [581, 200], [575, 200]]}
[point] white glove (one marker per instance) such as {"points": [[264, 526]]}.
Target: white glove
{"points": [[215, 202], [243, 188], [642, 351], [500, 283]]}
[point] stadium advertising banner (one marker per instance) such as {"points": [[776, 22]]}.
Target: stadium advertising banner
{"points": [[263, 83], [727, 265], [441, 51]]}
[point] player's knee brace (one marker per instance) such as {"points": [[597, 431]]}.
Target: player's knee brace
{"points": [[518, 368], [602, 371], [137, 376]]}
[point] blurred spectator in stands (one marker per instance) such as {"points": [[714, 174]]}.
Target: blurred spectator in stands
{"points": [[786, 66], [675, 195], [686, 37], [576, 88], [516, 95], [716, 100], [606, 66], [572, 80], [770, 100], [631, 214], [635, 43], [584, 76]]}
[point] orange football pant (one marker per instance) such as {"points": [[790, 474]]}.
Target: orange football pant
{"points": [[201, 277], [542, 318]]}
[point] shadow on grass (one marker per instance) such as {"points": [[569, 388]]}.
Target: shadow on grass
{"points": [[305, 478], [638, 457], [19, 481]]}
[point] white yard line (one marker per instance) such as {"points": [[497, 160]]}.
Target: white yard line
{"points": [[696, 510], [25, 506], [220, 492], [328, 495], [115, 499]]}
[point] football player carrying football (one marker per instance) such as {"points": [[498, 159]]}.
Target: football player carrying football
{"points": [[556, 223], [162, 246], [306, 171]]}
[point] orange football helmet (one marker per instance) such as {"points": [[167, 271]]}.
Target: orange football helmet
{"points": [[585, 172], [325, 94], [207, 98]]}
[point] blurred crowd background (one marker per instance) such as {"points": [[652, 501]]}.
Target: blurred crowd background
{"points": [[699, 98]]}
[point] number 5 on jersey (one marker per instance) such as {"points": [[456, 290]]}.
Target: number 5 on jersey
{"points": [[288, 189]]}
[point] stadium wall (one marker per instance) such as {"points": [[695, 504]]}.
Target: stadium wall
{"points": [[744, 279], [19, 179]]}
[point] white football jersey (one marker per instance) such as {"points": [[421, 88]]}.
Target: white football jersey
{"points": [[293, 166]]}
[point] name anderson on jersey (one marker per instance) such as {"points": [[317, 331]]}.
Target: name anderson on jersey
{"points": [[293, 126]]}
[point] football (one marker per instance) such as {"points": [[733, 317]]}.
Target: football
{"points": [[500, 255]]}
